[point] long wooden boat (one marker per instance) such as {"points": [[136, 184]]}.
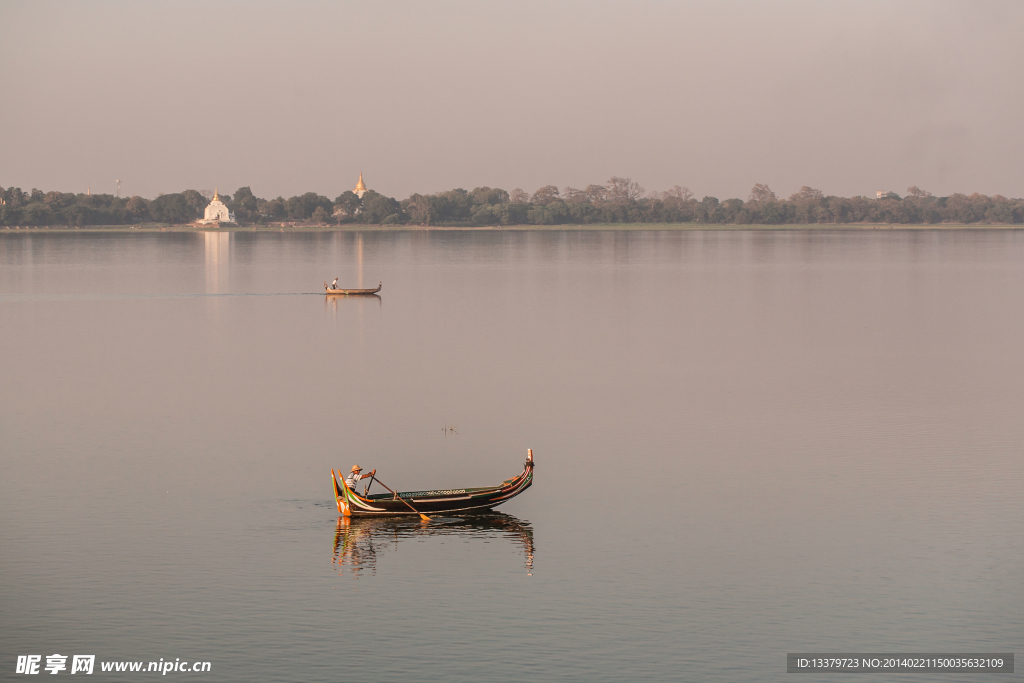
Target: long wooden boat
{"points": [[350, 292], [440, 501]]}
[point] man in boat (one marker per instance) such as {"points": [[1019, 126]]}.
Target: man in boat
{"points": [[334, 285], [354, 476]]}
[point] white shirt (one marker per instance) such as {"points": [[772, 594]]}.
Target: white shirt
{"points": [[351, 480]]}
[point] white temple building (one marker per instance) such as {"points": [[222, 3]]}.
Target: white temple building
{"points": [[216, 213]]}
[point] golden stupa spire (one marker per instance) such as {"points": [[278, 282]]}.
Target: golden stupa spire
{"points": [[216, 197], [359, 185]]}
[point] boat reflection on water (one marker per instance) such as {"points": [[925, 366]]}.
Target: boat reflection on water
{"points": [[357, 541], [331, 302]]}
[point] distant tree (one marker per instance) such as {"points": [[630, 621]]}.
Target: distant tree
{"points": [[915, 191], [678, 192], [244, 204], [574, 196], [545, 195], [806, 194], [37, 213], [9, 215], [556, 213], [596, 193], [172, 208], [771, 213], [708, 210], [804, 205], [536, 215], [484, 215], [295, 207], [419, 208], [347, 204], [486, 195], [500, 214], [839, 210], [377, 208], [960, 209], [14, 197], [762, 193], [623, 190], [732, 207], [244, 198], [196, 203], [137, 208], [452, 206], [516, 214], [517, 196], [302, 206], [321, 215], [1000, 210], [271, 208]]}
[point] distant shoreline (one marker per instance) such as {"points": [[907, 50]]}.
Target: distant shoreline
{"points": [[593, 227]]}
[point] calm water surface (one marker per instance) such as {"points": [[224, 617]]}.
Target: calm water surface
{"points": [[747, 444]]}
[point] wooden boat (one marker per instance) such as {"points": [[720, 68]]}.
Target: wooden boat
{"points": [[350, 292], [440, 501]]}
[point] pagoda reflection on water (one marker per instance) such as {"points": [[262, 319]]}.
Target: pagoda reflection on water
{"points": [[357, 541], [217, 250]]}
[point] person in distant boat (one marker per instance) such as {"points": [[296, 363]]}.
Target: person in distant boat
{"points": [[334, 285], [354, 476]]}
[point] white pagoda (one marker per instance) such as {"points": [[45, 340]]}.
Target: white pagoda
{"points": [[216, 213]]}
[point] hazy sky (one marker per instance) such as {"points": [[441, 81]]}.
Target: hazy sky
{"points": [[288, 97]]}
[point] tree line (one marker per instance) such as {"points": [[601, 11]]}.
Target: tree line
{"points": [[620, 200]]}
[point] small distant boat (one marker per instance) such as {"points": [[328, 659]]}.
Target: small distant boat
{"points": [[439, 501], [350, 292]]}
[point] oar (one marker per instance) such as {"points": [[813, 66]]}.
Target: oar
{"points": [[422, 516], [373, 478]]}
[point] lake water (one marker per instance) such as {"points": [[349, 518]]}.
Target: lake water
{"points": [[747, 444]]}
